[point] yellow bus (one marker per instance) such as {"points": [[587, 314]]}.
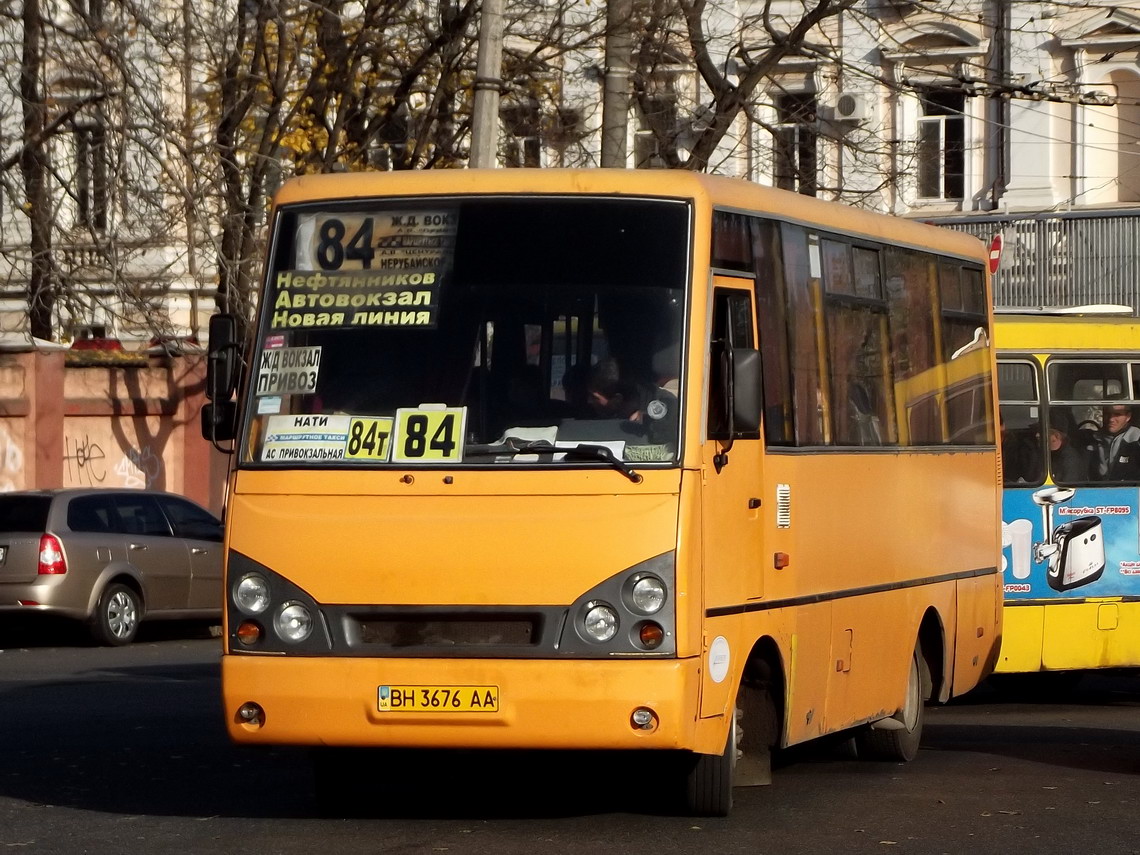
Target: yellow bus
{"points": [[603, 460], [1069, 388]]}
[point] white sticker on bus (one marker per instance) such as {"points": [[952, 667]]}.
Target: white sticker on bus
{"points": [[288, 371], [718, 659], [305, 438]]}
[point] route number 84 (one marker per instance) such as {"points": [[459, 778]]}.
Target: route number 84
{"points": [[429, 435]]}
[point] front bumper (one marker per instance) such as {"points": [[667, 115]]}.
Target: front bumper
{"points": [[542, 703]]}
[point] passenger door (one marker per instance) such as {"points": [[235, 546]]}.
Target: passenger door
{"points": [[731, 489], [162, 560], [202, 534]]}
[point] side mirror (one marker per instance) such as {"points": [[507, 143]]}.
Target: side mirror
{"points": [[219, 421], [222, 360], [747, 393]]}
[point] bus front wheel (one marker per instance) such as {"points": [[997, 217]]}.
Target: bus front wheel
{"points": [[709, 778]]}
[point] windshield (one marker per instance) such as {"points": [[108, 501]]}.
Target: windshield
{"points": [[471, 331]]}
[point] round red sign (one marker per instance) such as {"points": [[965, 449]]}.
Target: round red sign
{"points": [[995, 252]]}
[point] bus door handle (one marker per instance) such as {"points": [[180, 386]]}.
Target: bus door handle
{"points": [[141, 546], [194, 550]]}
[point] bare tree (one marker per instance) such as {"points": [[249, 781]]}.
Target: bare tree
{"points": [[35, 168], [198, 110]]}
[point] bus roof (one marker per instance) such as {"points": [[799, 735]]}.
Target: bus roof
{"points": [[717, 191], [1052, 333]]}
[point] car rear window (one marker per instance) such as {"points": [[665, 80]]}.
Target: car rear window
{"points": [[24, 513]]}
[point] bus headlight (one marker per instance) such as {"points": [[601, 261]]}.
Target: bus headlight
{"points": [[647, 595], [252, 594], [600, 622], [294, 622], [631, 613]]}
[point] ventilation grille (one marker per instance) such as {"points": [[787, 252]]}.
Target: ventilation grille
{"points": [[783, 506], [447, 632]]}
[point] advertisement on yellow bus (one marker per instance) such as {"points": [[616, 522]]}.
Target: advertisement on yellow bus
{"points": [[1070, 391]]}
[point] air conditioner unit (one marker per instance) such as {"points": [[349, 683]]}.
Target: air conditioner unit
{"points": [[851, 107]]}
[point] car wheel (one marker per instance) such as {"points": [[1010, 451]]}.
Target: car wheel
{"points": [[117, 616]]}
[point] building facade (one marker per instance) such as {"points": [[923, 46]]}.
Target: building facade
{"points": [[989, 116]]}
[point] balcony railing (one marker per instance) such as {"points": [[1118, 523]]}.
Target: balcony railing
{"points": [[1055, 259]]}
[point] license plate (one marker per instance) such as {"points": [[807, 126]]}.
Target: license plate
{"points": [[438, 699]]}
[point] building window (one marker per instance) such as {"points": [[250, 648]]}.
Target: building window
{"points": [[942, 144], [794, 155], [91, 175]]}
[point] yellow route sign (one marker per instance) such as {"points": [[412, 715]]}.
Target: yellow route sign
{"points": [[429, 435]]}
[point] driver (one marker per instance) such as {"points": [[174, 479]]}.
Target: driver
{"points": [[652, 410]]}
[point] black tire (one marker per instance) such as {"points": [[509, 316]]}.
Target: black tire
{"points": [[117, 616], [709, 779], [900, 744]]}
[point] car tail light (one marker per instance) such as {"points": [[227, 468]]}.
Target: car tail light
{"points": [[51, 556]]}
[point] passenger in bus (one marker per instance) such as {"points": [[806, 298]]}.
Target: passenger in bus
{"points": [[1117, 444], [1065, 462], [1020, 457]]}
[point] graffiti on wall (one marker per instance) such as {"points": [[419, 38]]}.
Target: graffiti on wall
{"points": [[140, 467], [100, 453], [84, 461]]}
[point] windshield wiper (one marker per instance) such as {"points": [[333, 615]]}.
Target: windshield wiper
{"points": [[512, 446], [601, 452]]}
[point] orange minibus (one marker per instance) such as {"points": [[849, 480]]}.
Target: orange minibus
{"points": [[632, 452]]}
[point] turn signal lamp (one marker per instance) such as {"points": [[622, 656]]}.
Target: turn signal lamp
{"points": [[248, 633], [651, 635]]}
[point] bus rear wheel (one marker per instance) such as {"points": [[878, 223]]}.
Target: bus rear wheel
{"points": [[898, 737]]}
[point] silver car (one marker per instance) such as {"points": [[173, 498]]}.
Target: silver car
{"points": [[109, 557]]}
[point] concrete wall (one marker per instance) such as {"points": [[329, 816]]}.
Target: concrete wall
{"points": [[67, 425]]}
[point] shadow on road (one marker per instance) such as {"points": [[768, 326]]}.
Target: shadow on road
{"points": [[49, 631], [1099, 713], [149, 740]]}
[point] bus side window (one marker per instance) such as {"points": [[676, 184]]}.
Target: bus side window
{"points": [[732, 325], [1020, 419]]}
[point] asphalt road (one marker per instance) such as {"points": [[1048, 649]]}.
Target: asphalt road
{"points": [[122, 750]]}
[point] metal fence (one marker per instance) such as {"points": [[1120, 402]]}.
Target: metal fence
{"points": [[1062, 259]]}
